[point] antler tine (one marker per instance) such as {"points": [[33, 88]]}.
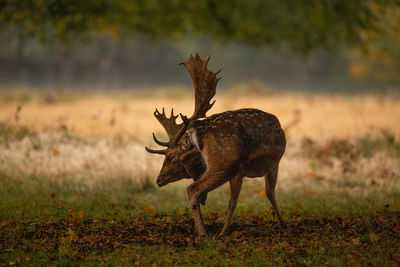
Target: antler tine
{"points": [[205, 63], [159, 142], [161, 151], [184, 118], [172, 114]]}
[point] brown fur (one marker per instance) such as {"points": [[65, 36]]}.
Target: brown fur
{"points": [[224, 147], [235, 144]]}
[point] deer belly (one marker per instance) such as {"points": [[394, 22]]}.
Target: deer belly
{"points": [[258, 166]]}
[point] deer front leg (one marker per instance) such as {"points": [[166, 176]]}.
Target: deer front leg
{"points": [[236, 186], [198, 222], [208, 182]]}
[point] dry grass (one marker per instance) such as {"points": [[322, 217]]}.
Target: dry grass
{"points": [[101, 137], [321, 117]]}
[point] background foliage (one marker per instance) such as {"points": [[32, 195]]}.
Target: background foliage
{"points": [[298, 24], [283, 44]]}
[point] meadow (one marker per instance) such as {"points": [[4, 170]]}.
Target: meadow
{"points": [[78, 188]]}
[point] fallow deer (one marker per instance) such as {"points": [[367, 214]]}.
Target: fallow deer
{"points": [[223, 147]]}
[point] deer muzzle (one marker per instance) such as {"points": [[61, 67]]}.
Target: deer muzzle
{"points": [[161, 181]]}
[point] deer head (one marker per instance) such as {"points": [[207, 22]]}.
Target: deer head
{"points": [[182, 158]]}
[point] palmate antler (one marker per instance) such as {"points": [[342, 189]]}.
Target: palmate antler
{"points": [[205, 83]]}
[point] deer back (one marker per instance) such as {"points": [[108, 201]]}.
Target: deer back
{"points": [[247, 138]]}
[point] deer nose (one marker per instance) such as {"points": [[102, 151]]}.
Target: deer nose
{"points": [[159, 181]]}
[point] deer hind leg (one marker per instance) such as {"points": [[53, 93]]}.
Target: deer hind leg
{"points": [[270, 183], [208, 182], [236, 186]]}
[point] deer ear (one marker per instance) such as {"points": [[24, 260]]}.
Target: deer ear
{"points": [[186, 144]]}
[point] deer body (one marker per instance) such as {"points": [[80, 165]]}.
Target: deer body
{"points": [[250, 139], [223, 147], [235, 144]]}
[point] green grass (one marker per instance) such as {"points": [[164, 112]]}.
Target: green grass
{"points": [[36, 199], [120, 222]]}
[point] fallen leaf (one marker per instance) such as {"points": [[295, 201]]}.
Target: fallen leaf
{"points": [[397, 228], [268, 211], [167, 219], [148, 208], [80, 214], [72, 212], [374, 183], [56, 152]]}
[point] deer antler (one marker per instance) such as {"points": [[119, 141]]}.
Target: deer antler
{"points": [[169, 124], [205, 84], [170, 127], [154, 151]]}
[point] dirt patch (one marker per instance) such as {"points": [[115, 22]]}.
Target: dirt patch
{"points": [[89, 235]]}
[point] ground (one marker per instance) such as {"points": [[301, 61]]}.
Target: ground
{"points": [[76, 186]]}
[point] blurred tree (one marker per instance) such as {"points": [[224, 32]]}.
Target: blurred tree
{"points": [[300, 25], [379, 59], [67, 43]]}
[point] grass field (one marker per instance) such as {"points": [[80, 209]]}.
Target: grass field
{"points": [[77, 188]]}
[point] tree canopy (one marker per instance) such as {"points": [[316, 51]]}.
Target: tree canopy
{"points": [[300, 25]]}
